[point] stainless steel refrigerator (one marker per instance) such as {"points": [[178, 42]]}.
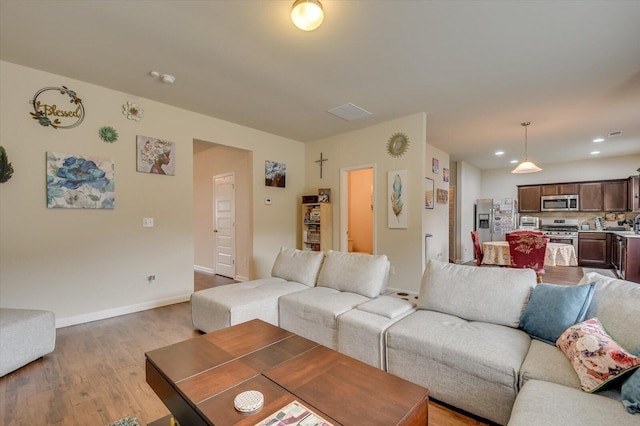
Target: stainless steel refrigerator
{"points": [[495, 218]]}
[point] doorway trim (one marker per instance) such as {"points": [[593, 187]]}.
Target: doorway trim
{"points": [[344, 205]]}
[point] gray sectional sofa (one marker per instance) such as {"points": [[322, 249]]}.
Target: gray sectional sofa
{"points": [[461, 340]]}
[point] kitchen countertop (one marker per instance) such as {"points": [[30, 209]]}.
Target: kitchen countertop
{"points": [[628, 234]]}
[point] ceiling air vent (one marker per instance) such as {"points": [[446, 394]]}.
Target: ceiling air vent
{"points": [[614, 134], [349, 112]]}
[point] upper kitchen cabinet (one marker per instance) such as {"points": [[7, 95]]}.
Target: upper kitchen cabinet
{"points": [[529, 199], [614, 196], [590, 197], [559, 189], [633, 194]]}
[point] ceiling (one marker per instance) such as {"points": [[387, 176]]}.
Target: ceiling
{"points": [[477, 68]]}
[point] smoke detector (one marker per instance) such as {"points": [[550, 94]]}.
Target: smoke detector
{"points": [[165, 78]]}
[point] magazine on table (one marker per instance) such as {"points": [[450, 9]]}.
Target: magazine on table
{"points": [[294, 414]]}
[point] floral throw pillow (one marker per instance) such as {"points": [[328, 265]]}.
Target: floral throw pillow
{"points": [[594, 355]]}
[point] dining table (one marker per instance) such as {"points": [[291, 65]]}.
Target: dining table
{"points": [[556, 254]]}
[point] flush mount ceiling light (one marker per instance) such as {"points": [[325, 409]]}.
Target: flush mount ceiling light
{"points": [[307, 14], [526, 166]]}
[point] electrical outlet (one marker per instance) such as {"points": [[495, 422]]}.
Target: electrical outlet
{"points": [[151, 278]]}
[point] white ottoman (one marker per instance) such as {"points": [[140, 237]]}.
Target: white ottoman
{"points": [[361, 331], [25, 335]]}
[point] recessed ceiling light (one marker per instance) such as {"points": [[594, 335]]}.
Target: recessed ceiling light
{"points": [[596, 140], [595, 152], [513, 161], [499, 152]]}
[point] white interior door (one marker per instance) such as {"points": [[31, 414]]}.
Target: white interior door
{"points": [[224, 235]]}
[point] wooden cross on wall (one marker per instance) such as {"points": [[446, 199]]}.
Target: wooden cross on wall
{"points": [[321, 161]]}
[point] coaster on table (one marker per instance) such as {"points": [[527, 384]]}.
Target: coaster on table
{"points": [[249, 401]]}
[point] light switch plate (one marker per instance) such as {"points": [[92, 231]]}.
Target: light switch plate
{"points": [[147, 222], [267, 201]]}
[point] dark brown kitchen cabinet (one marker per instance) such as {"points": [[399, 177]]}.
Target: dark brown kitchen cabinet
{"points": [[559, 189], [614, 196], [529, 199], [633, 194], [631, 263], [594, 249], [590, 197]]}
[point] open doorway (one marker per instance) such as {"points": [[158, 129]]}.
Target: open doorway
{"points": [[212, 160], [357, 209]]}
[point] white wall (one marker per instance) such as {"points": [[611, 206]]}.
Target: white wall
{"points": [[404, 247], [469, 185], [436, 221], [90, 264]]}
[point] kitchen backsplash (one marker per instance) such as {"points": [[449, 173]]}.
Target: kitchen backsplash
{"points": [[584, 218]]}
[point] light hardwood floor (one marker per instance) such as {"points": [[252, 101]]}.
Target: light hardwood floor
{"points": [[96, 373]]}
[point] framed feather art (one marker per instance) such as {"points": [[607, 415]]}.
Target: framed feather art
{"points": [[397, 201]]}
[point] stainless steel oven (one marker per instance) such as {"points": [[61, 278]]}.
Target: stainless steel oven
{"points": [[559, 203], [561, 230]]}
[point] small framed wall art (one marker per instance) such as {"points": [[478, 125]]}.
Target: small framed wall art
{"points": [[275, 174], [428, 193], [155, 156], [397, 210], [79, 182]]}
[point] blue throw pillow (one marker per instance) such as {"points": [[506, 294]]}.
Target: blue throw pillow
{"points": [[630, 391], [554, 308]]}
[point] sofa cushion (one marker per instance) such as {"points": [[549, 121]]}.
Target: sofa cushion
{"points": [[553, 308], [630, 391], [615, 303], [595, 356], [313, 313], [298, 265], [387, 306], [493, 295], [358, 273], [548, 363], [551, 404], [471, 365]]}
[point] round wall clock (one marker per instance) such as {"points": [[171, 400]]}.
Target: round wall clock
{"points": [[398, 144]]}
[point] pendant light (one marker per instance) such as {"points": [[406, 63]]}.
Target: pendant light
{"points": [[307, 14], [526, 166]]}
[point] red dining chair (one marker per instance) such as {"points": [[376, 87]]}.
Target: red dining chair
{"points": [[528, 250], [477, 247], [526, 232]]}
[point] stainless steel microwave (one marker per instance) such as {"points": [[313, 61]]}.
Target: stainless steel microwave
{"points": [[559, 203]]}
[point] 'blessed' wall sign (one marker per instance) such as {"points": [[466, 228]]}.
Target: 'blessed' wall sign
{"points": [[51, 110]]}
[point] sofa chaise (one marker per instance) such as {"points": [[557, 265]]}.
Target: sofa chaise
{"points": [[468, 339]]}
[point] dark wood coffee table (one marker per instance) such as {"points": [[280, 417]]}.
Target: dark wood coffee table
{"points": [[199, 378]]}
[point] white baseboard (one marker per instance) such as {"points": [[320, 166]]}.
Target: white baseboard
{"points": [[203, 269], [110, 313], [210, 271]]}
